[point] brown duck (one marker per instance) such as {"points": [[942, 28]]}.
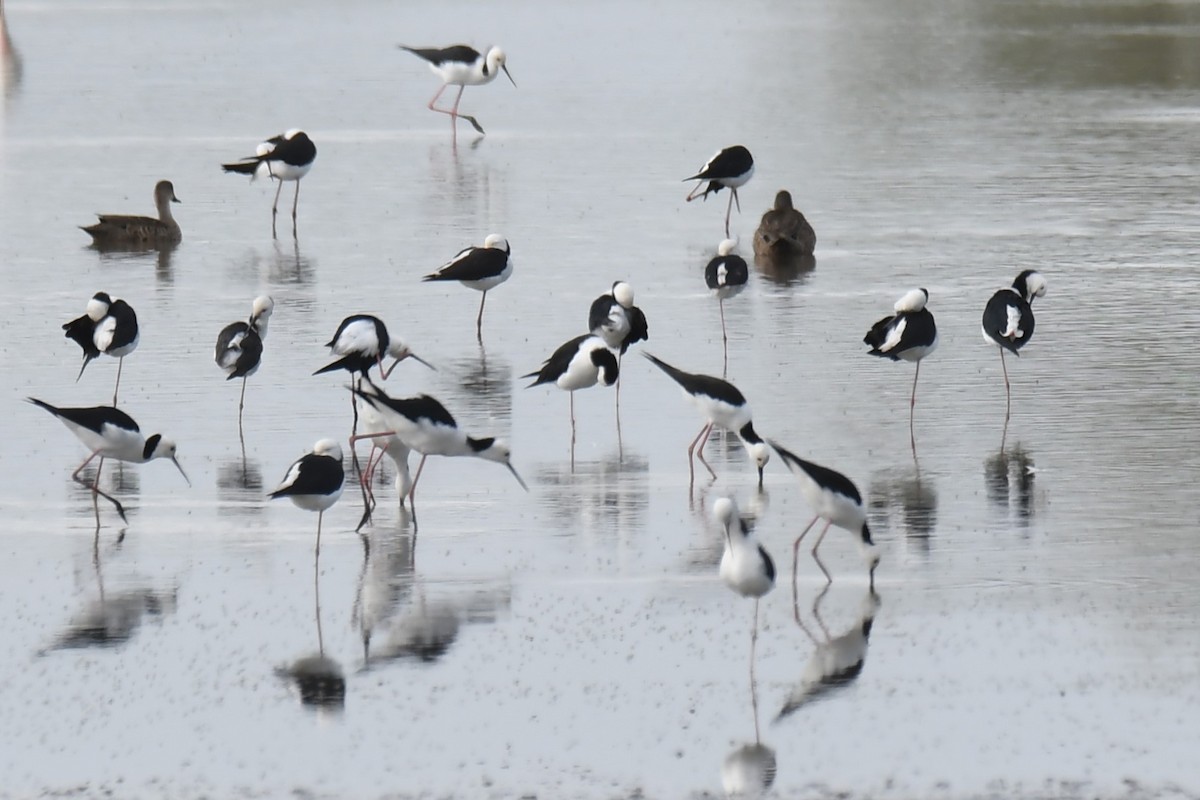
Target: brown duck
{"points": [[784, 231], [114, 230]]}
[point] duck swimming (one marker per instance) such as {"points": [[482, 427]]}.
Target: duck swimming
{"points": [[118, 231]]}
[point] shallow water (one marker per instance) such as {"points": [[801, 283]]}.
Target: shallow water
{"points": [[1036, 631]]}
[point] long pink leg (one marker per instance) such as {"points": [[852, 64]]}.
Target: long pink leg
{"points": [[692, 449], [700, 452], [479, 320], [912, 408], [275, 209], [729, 210], [796, 550], [364, 476], [1007, 390], [572, 394], [120, 363], [412, 489], [817, 558], [295, 202], [95, 487]]}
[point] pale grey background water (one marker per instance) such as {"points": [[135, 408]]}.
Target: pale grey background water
{"points": [[1038, 632]]}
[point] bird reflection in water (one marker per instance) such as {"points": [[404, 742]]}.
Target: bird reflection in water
{"points": [[483, 384], [1008, 478], [785, 270], [426, 629], [748, 771], [123, 483], [112, 618], [287, 265], [240, 486], [12, 70], [386, 580], [837, 661], [133, 254], [913, 499], [611, 495], [318, 677]]}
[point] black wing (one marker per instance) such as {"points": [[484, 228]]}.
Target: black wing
{"points": [[81, 331], [296, 151], [598, 313], [439, 55], [639, 329], [423, 407], [557, 363], [127, 325], [314, 474], [995, 319], [93, 418], [705, 385], [471, 264], [729, 163], [825, 477], [736, 272], [878, 335]]}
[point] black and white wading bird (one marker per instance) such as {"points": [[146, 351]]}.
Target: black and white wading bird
{"points": [[746, 567], [615, 319], [726, 276], [722, 405], [1008, 320], [384, 441], [314, 482], [118, 231], [582, 362], [479, 268], [461, 66], [108, 326], [109, 432], [423, 424], [363, 341], [286, 157], [783, 232], [909, 335], [240, 346], [729, 169], [834, 498]]}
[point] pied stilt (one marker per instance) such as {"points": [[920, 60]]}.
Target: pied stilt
{"points": [[423, 424], [109, 432], [783, 232], [1008, 320], [726, 276], [615, 319], [746, 567], [578, 364], [286, 157], [729, 169], [363, 341], [314, 481], [109, 327], [479, 268], [722, 405], [910, 334], [239, 346], [835, 499], [115, 231], [384, 442], [461, 66]]}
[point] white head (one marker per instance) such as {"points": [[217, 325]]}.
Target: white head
{"points": [[328, 447], [725, 511], [165, 448], [498, 451], [292, 133], [761, 455], [727, 246], [496, 240], [496, 60], [98, 306], [260, 314], [622, 292], [398, 350], [912, 301]]}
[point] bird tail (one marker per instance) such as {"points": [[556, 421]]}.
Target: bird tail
{"points": [[87, 359], [341, 363], [242, 167], [42, 404], [675, 374]]}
